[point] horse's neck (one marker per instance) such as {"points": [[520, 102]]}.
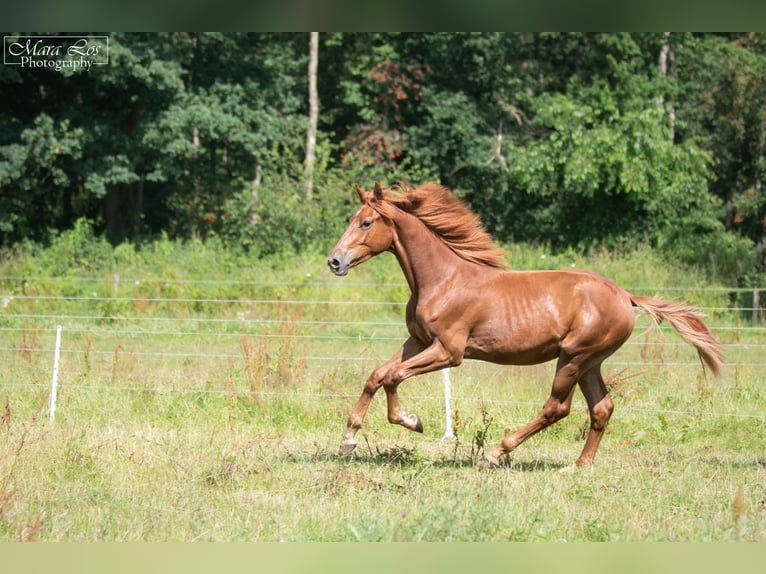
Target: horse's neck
{"points": [[425, 260]]}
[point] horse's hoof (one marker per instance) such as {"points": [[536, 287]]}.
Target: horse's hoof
{"points": [[346, 447], [488, 461], [418, 424]]}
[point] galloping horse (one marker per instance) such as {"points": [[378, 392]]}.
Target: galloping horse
{"points": [[466, 305]]}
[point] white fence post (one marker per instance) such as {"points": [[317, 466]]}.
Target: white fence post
{"points": [[448, 409], [55, 378]]}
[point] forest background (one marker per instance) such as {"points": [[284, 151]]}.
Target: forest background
{"points": [[584, 141]]}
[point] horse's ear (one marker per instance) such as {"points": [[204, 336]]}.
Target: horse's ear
{"points": [[378, 192], [363, 195]]}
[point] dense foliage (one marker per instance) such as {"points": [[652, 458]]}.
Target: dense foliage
{"points": [[569, 139]]}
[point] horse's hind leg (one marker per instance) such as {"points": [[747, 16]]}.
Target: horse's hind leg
{"points": [[555, 408], [600, 408]]}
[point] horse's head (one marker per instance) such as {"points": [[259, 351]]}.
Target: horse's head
{"points": [[368, 234]]}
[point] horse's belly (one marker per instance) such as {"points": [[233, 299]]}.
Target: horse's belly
{"points": [[527, 352]]}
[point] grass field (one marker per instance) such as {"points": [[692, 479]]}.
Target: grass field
{"points": [[191, 410]]}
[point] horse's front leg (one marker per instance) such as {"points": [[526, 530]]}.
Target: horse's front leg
{"points": [[433, 358], [371, 386]]}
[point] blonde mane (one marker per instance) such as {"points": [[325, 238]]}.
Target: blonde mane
{"points": [[449, 219]]}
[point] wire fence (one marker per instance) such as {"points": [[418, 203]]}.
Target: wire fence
{"points": [[169, 331], [313, 283], [7, 299]]}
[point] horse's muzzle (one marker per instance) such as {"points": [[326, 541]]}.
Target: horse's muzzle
{"points": [[337, 266]]}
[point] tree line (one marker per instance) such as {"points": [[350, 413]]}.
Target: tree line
{"points": [[579, 140]]}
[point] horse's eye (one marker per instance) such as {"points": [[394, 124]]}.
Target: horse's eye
{"points": [[366, 224]]}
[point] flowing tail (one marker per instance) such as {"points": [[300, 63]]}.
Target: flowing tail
{"points": [[689, 325]]}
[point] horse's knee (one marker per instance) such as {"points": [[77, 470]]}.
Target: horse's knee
{"points": [[392, 379], [372, 384]]}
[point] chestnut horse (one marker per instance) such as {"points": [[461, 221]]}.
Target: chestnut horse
{"points": [[466, 305]]}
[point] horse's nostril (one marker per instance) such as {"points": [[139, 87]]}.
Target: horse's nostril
{"points": [[333, 263]]}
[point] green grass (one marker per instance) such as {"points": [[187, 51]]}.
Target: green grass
{"points": [[218, 425], [196, 467]]}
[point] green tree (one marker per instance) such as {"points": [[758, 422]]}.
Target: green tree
{"points": [[571, 139], [37, 175], [722, 79]]}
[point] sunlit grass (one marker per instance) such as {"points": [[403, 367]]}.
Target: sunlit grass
{"points": [[225, 464], [222, 426]]}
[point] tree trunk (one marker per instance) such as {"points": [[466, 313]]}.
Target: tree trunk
{"points": [[138, 208], [254, 191], [311, 135], [666, 61]]}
